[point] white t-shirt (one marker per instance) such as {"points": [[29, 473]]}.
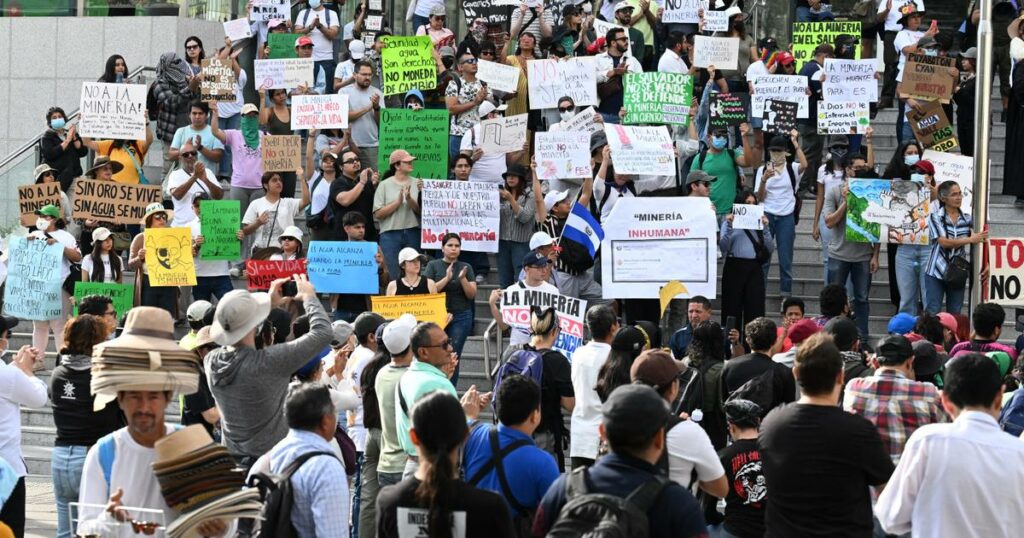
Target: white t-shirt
{"points": [[87, 266], [904, 39], [345, 70], [830, 179], [206, 267], [16, 389], [779, 198], [756, 68], [323, 48], [521, 335], [586, 416], [283, 257], [267, 234], [891, 24], [183, 208], [491, 166], [670, 62], [357, 363], [690, 448], [318, 197], [423, 7], [65, 239], [227, 109]]}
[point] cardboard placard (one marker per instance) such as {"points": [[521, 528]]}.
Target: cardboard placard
{"points": [[261, 273], [843, 117], [267, 10], [219, 222], [122, 295], [641, 150], [747, 217], [238, 29], [281, 153], [282, 46], [657, 98], [808, 35], [319, 112], [423, 133], [727, 109], [426, 307], [169, 257], [343, 267], [107, 201], [1005, 259], [503, 135], [685, 11], [33, 197], [498, 76], [849, 80], [780, 87], [932, 128], [407, 63], [218, 82], [468, 208], [287, 73], [33, 287], [721, 52], [550, 80], [562, 154], [780, 117], [516, 306], [927, 78], [114, 111], [887, 211]]}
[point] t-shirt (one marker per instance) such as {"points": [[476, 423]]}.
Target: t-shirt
{"points": [[745, 502], [194, 404], [207, 267], [466, 92], [183, 212], [670, 62], [556, 383], [129, 173], [838, 247], [739, 370], [455, 298], [392, 457], [490, 166], [904, 39], [365, 129], [723, 167], [77, 424], [246, 162], [402, 218], [835, 178], [689, 448], [363, 204], [318, 196], [818, 462], [474, 512], [779, 198], [206, 135], [357, 362], [266, 235], [323, 48], [88, 267]]}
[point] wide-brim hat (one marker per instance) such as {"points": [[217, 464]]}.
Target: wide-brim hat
{"points": [[100, 162], [1014, 28], [909, 13], [238, 312], [42, 169], [146, 329], [517, 170], [153, 209], [180, 443], [292, 231]]}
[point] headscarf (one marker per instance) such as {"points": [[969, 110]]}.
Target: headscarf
{"points": [[172, 71]]}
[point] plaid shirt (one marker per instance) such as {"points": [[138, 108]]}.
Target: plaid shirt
{"points": [[895, 405], [173, 110]]}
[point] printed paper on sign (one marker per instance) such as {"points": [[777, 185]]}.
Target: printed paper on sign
{"points": [[468, 208], [721, 52], [238, 29], [641, 150]]}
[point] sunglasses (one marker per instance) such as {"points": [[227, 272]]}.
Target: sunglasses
{"points": [[350, 161], [188, 154], [144, 527], [160, 216], [566, 108], [469, 61], [190, 47], [443, 345]]}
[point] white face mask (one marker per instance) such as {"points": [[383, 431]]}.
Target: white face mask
{"points": [[778, 157], [567, 115], [42, 224]]}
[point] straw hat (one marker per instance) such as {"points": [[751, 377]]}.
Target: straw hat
{"points": [[180, 443], [100, 162], [146, 328], [153, 209]]}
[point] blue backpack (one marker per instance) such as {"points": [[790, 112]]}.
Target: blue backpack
{"points": [[1011, 418], [527, 362]]}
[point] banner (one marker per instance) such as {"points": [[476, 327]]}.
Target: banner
{"points": [[33, 288], [843, 117], [927, 78], [498, 76], [849, 80], [407, 63], [169, 257], [779, 87], [649, 241], [319, 112], [584, 120], [506, 134], [550, 80], [122, 295], [33, 197], [808, 35], [727, 109], [932, 128], [953, 167], [115, 111], [721, 52], [343, 266], [428, 307], [423, 133], [516, 306], [282, 46], [1005, 261], [218, 83], [238, 29], [780, 117], [491, 11], [286, 73], [469, 208], [655, 97], [887, 211], [641, 150], [747, 217], [562, 154], [261, 273], [266, 10], [683, 11], [219, 223], [281, 153], [107, 201]]}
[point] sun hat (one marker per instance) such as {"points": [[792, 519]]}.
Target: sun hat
{"points": [[203, 338], [100, 162], [238, 312], [292, 231], [153, 209], [42, 169]]}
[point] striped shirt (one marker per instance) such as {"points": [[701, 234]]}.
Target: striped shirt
{"points": [[939, 225], [518, 227]]}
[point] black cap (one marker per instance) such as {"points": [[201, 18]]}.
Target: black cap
{"points": [[768, 43], [926, 359], [839, 141], [7, 323], [894, 349], [629, 339], [634, 412], [535, 259], [743, 413], [843, 331], [598, 140], [366, 323], [778, 143], [517, 170]]}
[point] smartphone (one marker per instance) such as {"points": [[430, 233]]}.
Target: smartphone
{"points": [[289, 289], [730, 324]]}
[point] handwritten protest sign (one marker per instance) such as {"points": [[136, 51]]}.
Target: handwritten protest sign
{"points": [[107, 201], [218, 82], [267, 10], [843, 117], [374, 23], [33, 197], [657, 97], [931, 127], [808, 35], [550, 80], [492, 11], [779, 87], [715, 21], [468, 208], [683, 10], [375, 5], [116, 111], [169, 257], [282, 46], [584, 120], [562, 154], [850, 80], [286, 73], [33, 288], [721, 52], [1005, 259], [281, 153], [343, 266], [887, 211], [219, 223], [953, 167], [407, 63], [498, 76], [238, 29], [503, 135], [747, 217], [516, 306], [426, 307], [727, 109], [927, 78], [122, 295], [423, 133], [641, 150], [780, 117], [261, 273], [319, 112]]}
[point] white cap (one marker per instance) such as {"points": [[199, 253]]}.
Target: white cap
{"points": [[407, 254], [356, 49], [100, 234], [623, 5], [342, 330], [732, 11], [540, 239], [291, 231], [553, 197], [397, 333], [197, 310], [487, 107]]}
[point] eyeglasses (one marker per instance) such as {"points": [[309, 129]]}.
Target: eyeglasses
{"points": [[487, 53], [160, 216], [189, 154], [469, 61], [566, 108], [443, 345], [350, 161]]}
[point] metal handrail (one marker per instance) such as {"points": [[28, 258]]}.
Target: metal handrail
{"points": [[487, 348]]}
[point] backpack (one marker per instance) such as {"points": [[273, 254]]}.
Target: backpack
{"points": [[525, 362], [761, 389], [600, 515], [522, 517], [702, 155], [1011, 418], [323, 219], [277, 497], [762, 254]]}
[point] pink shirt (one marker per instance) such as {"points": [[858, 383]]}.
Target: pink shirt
{"points": [[246, 163]]}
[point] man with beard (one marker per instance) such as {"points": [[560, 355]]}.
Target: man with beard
{"points": [[364, 104], [611, 66]]}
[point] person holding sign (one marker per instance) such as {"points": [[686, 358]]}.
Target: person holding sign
{"points": [[165, 297], [44, 174], [487, 167], [268, 217], [320, 27], [410, 282], [949, 267], [611, 66], [212, 278], [458, 282], [746, 252], [909, 41], [319, 181], [246, 154], [175, 87], [103, 169], [61, 147], [103, 264], [722, 162], [439, 35], [775, 185], [535, 265], [131, 154], [518, 221], [50, 228], [396, 208], [191, 179]]}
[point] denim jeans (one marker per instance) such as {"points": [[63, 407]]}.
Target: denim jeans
{"points": [[903, 129], [356, 492], [66, 465], [825, 234], [230, 122], [936, 289], [368, 486], [860, 273], [478, 260], [388, 479], [611, 118], [454, 143], [208, 287], [911, 261], [803, 14], [510, 261], [328, 66], [458, 331], [783, 229], [418, 21], [394, 241]]}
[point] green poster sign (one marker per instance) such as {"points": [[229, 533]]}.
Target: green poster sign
{"points": [[808, 35], [657, 98], [282, 45], [407, 63], [423, 133], [219, 221], [123, 295]]}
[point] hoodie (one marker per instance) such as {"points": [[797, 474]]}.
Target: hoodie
{"points": [[250, 385]]}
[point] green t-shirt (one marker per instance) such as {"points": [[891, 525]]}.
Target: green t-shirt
{"points": [[420, 380], [723, 167], [392, 457]]}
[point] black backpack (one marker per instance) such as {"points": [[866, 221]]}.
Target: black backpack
{"points": [[762, 389], [600, 515], [522, 517], [277, 498]]}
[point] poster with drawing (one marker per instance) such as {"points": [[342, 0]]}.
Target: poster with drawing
{"points": [[887, 211]]}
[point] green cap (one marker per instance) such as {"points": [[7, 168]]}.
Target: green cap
{"points": [[49, 210]]}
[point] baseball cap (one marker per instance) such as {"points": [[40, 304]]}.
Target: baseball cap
{"points": [[778, 143], [197, 310], [437, 11], [249, 108], [926, 167], [356, 49], [802, 330], [598, 140], [303, 42], [396, 334], [785, 58], [274, 23], [926, 359], [535, 259], [971, 53], [654, 367], [622, 5], [634, 412], [487, 107], [399, 155], [843, 331], [446, 52], [894, 349], [408, 254], [927, 42], [743, 413], [1002, 359], [540, 239], [100, 234], [7, 323], [342, 330], [366, 323], [948, 321], [554, 197], [839, 141], [50, 210], [699, 175], [901, 323]]}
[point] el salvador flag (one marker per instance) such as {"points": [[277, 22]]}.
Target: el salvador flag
{"points": [[583, 228]]}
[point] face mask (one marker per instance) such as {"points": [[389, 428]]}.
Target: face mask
{"points": [[917, 177], [448, 62], [42, 224], [864, 174], [930, 52], [838, 154], [911, 160], [57, 123], [314, 4], [719, 142], [567, 115], [251, 130]]}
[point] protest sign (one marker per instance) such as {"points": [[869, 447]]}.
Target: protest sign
{"points": [[343, 266], [423, 133], [931, 127], [122, 295], [33, 287], [261, 273], [375, 5], [648, 241], [562, 154], [428, 307], [584, 120], [780, 117], [169, 257], [498, 76], [33, 197], [281, 153], [779, 87], [843, 117], [887, 211], [374, 23], [808, 35], [238, 29], [1005, 259], [220, 221], [218, 83], [657, 97], [503, 135], [319, 112], [849, 80], [282, 46], [267, 10], [468, 208], [715, 21], [641, 150], [115, 111], [686, 11], [953, 167], [927, 78], [721, 52], [747, 217], [516, 306], [492, 11], [285, 73], [727, 109], [407, 63], [106, 201], [550, 80]]}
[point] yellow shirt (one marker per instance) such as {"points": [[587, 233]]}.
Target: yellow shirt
{"points": [[642, 24], [128, 174]]}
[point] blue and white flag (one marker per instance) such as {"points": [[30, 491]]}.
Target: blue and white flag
{"points": [[583, 228]]}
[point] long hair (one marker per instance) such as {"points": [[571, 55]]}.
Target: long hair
{"points": [[109, 75], [97, 264], [440, 426], [82, 333], [371, 412], [707, 345], [614, 372], [202, 51], [897, 169]]}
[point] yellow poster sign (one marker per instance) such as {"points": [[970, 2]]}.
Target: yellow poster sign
{"points": [[169, 257], [427, 307]]}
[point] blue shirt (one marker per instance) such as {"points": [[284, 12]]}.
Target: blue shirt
{"points": [[528, 469], [320, 485]]}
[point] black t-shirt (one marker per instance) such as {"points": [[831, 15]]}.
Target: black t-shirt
{"points": [[739, 370], [484, 512], [196, 403], [77, 424], [745, 502], [556, 383], [363, 204], [818, 462]]}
